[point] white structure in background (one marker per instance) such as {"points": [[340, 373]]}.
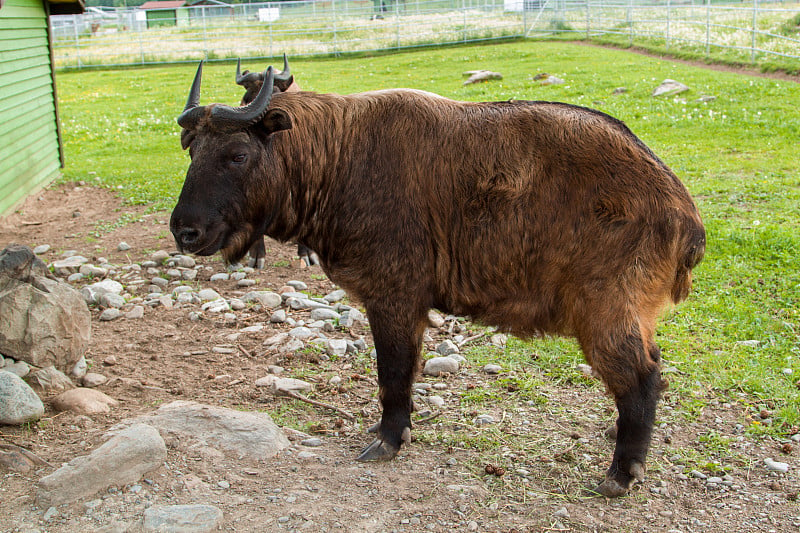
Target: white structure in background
{"points": [[268, 14]]}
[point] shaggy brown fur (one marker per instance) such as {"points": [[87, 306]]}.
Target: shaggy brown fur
{"points": [[536, 217]]}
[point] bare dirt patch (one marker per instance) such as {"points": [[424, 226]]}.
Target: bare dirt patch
{"points": [[548, 449]]}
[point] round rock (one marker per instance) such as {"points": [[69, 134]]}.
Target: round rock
{"points": [[439, 365], [18, 402]]}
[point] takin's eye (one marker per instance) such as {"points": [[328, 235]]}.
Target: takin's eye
{"points": [[239, 159]]}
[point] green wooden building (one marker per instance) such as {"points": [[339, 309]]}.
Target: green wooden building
{"points": [[30, 147]]}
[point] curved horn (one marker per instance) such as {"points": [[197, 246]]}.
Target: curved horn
{"points": [[229, 118], [286, 73], [248, 77], [192, 112]]}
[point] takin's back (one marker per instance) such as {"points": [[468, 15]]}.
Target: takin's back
{"points": [[518, 213]]}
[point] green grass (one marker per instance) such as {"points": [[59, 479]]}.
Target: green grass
{"points": [[738, 154]]}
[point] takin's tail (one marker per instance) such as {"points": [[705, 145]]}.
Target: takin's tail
{"points": [[692, 249]]}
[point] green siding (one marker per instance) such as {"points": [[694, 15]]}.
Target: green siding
{"points": [[29, 152]]}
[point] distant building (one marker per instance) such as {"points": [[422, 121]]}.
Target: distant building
{"points": [[165, 13], [30, 136]]}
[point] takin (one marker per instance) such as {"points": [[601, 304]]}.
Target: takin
{"points": [[535, 217], [284, 82]]}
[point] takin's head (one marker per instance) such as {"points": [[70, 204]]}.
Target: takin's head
{"points": [[225, 201], [253, 81]]}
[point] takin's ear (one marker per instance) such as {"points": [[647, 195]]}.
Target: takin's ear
{"points": [[276, 120], [187, 136], [283, 85]]}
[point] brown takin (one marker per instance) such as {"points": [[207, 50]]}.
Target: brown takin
{"points": [[536, 217]]}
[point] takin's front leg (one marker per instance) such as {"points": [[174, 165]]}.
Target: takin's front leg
{"points": [[397, 332], [634, 378]]}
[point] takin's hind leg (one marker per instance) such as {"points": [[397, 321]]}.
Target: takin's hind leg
{"points": [[630, 369]]}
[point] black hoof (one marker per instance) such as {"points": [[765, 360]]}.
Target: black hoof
{"points": [[614, 487], [378, 450]]}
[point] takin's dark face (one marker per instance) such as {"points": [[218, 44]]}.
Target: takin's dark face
{"points": [[215, 212], [225, 201]]}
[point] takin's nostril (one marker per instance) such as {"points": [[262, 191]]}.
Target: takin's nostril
{"points": [[188, 236]]}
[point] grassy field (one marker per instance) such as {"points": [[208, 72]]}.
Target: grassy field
{"points": [[735, 340]]}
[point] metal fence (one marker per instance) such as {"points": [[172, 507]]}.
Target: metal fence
{"points": [[755, 31]]}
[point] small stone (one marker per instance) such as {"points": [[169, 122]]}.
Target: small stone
{"points": [[301, 333], [159, 257], [492, 369], [484, 420], [335, 296], [80, 368], [776, 466], [245, 283], [436, 401], [222, 276], [283, 384], [41, 249], [447, 347], [49, 379], [278, 317], [18, 368], [324, 314], [93, 379], [136, 312], [312, 442], [499, 340], [182, 518], [110, 314], [297, 285], [50, 514], [561, 513], [209, 295], [111, 300], [123, 246], [336, 347], [670, 88], [84, 401], [752, 343], [183, 261], [216, 306], [697, 474], [439, 365], [268, 299]]}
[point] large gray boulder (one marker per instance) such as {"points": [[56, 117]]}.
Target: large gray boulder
{"points": [[196, 426], [43, 321]]}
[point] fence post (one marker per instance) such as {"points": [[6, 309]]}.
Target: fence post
{"points": [[753, 40], [77, 41], [205, 39], [333, 15], [397, 22], [588, 18], [666, 39], [630, 22], [708, 27]]}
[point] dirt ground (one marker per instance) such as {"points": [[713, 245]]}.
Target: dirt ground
{"points": [[164, 356]]}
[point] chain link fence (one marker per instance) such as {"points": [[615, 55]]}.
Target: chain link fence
{"points": [[212, 30]]}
